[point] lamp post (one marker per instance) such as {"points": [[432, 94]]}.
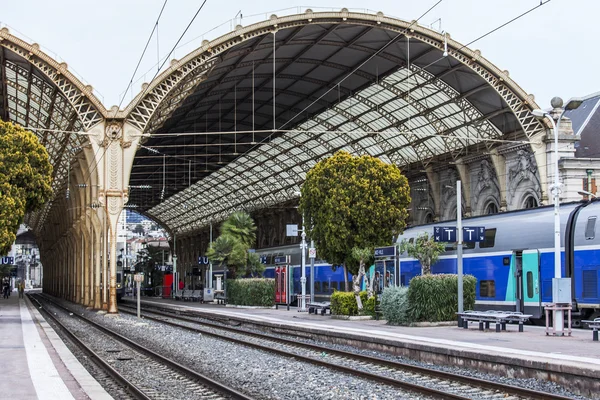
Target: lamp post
{"points": [[303, 278], [557, 103]]}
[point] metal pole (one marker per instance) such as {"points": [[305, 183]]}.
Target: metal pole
{"points": [[312, 274], [175, 281], [459, 245], [303, 278], [210, 280], [139, 285], [558, 315]]}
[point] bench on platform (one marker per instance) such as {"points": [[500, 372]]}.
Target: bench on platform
{"points": [[319, 307], [187, 295], [178, 294], [595, 326], [196, 295], [500, 318]]}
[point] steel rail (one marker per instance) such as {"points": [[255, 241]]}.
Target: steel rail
{"points": [[113, 373], [223, 389]]}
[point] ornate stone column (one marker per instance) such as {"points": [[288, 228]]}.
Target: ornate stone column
{"points": [[114, 143]]}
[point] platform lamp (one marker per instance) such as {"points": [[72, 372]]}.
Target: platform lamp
{"points": [[557, 103]]}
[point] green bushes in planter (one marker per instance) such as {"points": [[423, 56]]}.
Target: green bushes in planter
{"points": [[434, 298], [395, 306], [344, 303], [251, 292]]}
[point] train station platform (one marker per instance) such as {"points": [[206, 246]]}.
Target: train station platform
{"points": [[36, 362], [558, 358]]}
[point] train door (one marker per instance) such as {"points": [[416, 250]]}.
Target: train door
{"points": [[519, 300], [530, 282], [277, 285]]}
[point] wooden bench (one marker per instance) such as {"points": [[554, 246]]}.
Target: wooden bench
{"points": [[595, 326], [319, 307], [500, 318]]}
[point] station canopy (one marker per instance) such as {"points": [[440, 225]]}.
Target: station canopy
{"points": [[237, 123], [40, 94]]}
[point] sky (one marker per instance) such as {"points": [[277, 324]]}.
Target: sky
{"points": [[552, 51]]}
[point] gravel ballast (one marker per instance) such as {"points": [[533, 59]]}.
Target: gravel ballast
{"points": [[256, 373]]}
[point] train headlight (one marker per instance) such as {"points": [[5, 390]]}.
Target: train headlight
{"points": [[119, 286]]}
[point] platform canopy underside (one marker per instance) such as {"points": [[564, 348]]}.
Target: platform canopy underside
{"points": [[37, 93], [359, 82]]}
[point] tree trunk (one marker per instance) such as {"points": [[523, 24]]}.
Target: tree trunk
{"points": [[346, 283], [356, 285], [356, 288]]}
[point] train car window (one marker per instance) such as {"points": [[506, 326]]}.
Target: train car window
{"points": [[453, 246], [450, 246], [325, 286], [590, 228], [487, 288], [489, 240], [529, 284], [468, 245], [317, 286]]}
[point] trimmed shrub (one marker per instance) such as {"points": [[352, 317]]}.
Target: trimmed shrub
{"points": [[344, 303], [434, 298], [251, 292], [395, 306]]}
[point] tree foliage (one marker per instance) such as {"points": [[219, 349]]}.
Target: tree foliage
{"points": [[230, 249], [425, 250], [351, 202], [25, 179]]}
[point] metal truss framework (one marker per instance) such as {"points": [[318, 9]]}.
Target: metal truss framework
{"points": [[365, 83], [39, 93], [419, 107]]}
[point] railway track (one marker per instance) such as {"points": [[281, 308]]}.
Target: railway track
{"points": [[431, 382], [126, 355]]}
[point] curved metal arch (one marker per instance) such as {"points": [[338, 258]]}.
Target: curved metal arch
{"points": [[88, 107], [142, 108]]}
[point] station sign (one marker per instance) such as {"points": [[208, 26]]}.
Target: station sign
{"points": [[263, 259], [448, 234], [282, 260], [389, 251], [8, 260], [203, 260], [444, 234], [291, 230], [473, 234]]}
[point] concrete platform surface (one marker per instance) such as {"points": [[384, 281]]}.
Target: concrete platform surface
{"points": [[37, 364], [577, 350]]}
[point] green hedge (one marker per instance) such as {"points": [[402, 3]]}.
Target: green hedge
{"points": [[434, 298], [395, 306], [251, 292], [344, 303]]}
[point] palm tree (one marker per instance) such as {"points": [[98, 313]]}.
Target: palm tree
{"points": [[228, 251], [241, 226]]}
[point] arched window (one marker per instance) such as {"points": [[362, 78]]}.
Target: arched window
{"points": [[491, 208], [428, 218], [530, 202]]}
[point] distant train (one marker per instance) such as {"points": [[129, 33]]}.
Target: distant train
{"points": [[514, 265]]}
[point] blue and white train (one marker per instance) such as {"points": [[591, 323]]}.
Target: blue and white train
{"points": [[514, 265]]}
